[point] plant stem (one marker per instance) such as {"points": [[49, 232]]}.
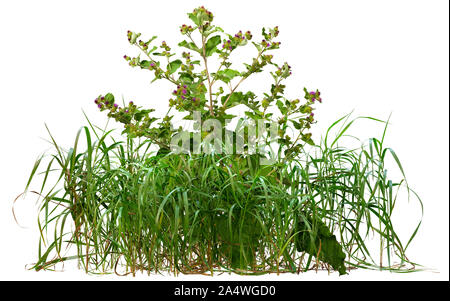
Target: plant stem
{"points": [[171, 79], [242, 79], [205, 60]]}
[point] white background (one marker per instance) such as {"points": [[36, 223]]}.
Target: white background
{"points": [[373, 57]]}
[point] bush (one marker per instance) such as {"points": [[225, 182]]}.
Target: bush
{"points": [[195, 208]]}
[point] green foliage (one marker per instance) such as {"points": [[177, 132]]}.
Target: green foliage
{"points": [[131, 203], [317, 240], [124, 208], [206, 89], [173, 66], [210, 46]]}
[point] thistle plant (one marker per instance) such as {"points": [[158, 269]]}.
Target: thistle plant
{"points": [[122, 207], [212, 93]]}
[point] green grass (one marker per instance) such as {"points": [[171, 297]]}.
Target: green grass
{"points": [[117, 207]]}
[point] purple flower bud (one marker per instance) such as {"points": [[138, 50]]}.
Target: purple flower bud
{"points": [[103, 98], [320, 99], [312, 93], [96, 101], [126, 111], [182, 97], [184, 91], [174, 92], [106, 102], [116, 105], [131, 103], [313, 99], [99, 105], [230, 165]]}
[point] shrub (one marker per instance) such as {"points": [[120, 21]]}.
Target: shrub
{"points": [[200, 209]]}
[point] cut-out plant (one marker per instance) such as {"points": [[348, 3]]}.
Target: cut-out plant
{"points": [[207, 209]]}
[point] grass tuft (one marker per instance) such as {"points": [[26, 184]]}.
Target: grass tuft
{"points": [[117, 207]]}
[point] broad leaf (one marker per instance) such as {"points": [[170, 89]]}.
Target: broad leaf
{"points": [[189, 45], [227, 75], [211, 44], [173, 66], [317, 240]]}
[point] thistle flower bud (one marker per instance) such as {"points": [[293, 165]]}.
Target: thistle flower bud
{"points": [[276, 31]]}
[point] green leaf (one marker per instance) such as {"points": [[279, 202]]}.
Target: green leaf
{"points": [[144, 64], [211, 44], [281, 107], [142, 113], [234, 99], [189, 45], [151, 50], [227, 75], [109, 97], [173, 66], [297, 125], [213, 30], [237, 98], [194, 19], [251, 115], [185, 77], [151, 40], [316, 239], [305, 109], [258, 47]]}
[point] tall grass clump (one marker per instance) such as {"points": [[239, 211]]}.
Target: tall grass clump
{"points": [[136, 203]]}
